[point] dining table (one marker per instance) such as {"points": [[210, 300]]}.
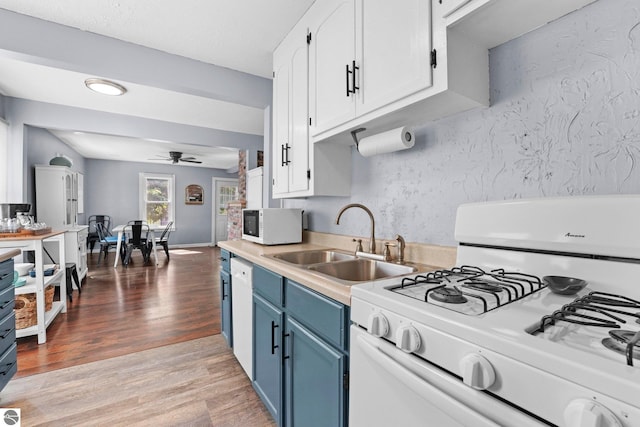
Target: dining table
{"points": [[120, 230]]}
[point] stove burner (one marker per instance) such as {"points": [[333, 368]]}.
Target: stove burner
{"points": [[447, 295]]}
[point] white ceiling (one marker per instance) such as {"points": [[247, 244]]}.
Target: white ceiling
{"points": [[240, 35]]}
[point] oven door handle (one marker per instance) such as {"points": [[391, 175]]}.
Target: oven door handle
{"points": [[404, 366]]}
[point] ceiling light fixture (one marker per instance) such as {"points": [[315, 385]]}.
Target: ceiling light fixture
{"points": [[105, 87]]}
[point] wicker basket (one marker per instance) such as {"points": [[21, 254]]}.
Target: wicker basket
{"points": [[26, 307]]}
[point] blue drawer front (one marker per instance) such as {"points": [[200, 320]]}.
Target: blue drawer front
{"points": [[7, 331], [6, 273], [324, 316], [268, 284], [225, 260], [8, 365], [7, 301]]}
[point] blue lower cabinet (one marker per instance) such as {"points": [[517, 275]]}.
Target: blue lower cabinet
{"points": [[267, 355], [8, 347], [225, 309], [315, 373]]}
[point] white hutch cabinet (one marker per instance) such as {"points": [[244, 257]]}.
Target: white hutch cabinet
{"points": [[59, 199]]}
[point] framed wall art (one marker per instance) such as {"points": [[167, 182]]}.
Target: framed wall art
{"points": [[193, 195]]}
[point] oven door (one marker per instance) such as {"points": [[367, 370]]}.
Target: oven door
{"points": [[390, 387]]}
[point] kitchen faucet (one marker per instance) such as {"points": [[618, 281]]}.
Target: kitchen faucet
{"points": [[372, 242]]}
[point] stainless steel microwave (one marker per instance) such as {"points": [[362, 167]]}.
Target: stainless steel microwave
{"points": [[272, 226]]}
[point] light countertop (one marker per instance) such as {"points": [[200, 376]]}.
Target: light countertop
{"points": [[6, 254], [430, 255]]}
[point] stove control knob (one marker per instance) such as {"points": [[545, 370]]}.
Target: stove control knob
{"points": [[407, 339], [587, 413], [477, 372], [378, 325]]}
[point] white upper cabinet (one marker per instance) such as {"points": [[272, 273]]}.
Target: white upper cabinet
{"points": [[290, 100], [301, 169], [366, 54], [394, 50], [331, 61]]}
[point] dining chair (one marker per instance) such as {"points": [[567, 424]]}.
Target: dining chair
{"points": [[138, 237], [163, 240], [107, 241], [93, 237]]}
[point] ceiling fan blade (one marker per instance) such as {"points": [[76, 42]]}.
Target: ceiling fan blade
{"points": [[190, 161]]}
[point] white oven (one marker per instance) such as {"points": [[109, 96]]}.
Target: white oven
{"points": [[487, 342]]}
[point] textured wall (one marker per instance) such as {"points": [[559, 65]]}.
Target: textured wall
{"points": [[564, 120]]}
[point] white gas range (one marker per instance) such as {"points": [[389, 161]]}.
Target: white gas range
{"points": [[505, 350]]}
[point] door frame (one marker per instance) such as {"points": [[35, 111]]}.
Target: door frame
{"points": [[214, 209]]}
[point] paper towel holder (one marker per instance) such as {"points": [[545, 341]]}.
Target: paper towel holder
{"points": [[354, 135]]}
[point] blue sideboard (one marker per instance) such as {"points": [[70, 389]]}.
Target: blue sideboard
{"points": [[8, 346]]}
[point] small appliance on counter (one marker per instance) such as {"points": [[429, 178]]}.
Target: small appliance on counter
{"points": [[272, 226]]}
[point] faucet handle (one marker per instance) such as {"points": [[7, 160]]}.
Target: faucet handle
{"points": [[358, 245], [386, 253]]}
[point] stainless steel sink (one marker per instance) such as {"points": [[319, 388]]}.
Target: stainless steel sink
{"points": [[313, 257], [362, 270]]}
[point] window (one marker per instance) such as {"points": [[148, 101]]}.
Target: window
{"points": [[157, 198]]}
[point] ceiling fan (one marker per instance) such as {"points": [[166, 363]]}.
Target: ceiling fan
{"points": [[176, 156]]}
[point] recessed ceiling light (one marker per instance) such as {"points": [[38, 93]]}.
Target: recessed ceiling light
{"points": [[105, 87]]}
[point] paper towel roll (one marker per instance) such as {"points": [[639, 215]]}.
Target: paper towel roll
{"points": [[387, 142]]}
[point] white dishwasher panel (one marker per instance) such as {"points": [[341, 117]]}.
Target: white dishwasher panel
{"points": [[242, 312]]}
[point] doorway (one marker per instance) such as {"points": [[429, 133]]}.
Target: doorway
{"points": [[224, 191]]}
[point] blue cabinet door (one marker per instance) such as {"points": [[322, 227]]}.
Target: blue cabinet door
{"points": [[314, 379], [225, 307], [267, 355]]}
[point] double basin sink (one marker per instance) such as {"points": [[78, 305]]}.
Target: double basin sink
{"points": [[345, 267]]}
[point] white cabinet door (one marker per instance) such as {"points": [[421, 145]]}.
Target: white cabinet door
{"points": [[291, 114], [280, 127], [394, 43], [298, 154], [332, 56]]}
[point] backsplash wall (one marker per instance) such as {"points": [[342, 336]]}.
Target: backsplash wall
{"points": [[564, 120]]}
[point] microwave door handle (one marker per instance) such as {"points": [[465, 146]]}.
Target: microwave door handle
{"points": [[427, 381]]}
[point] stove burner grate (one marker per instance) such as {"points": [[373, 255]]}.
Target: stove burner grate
{"points": [[484, 290]]}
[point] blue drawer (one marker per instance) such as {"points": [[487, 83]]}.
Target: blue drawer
{"points": [[7, 301], [7, 331], [225, 260], [6, 273], [324, 316], [269, 285], [8, 365]]}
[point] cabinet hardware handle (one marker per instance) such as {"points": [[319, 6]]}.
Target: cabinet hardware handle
{"points": [[283, 161], [8, 365], [4, 304], [347, 75], [287, 147], [7, 332], [224, 294], [353, 77], [283, 356], [273, 337]]}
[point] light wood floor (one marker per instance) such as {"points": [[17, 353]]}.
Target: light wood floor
{"points": [[139, 346]]}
